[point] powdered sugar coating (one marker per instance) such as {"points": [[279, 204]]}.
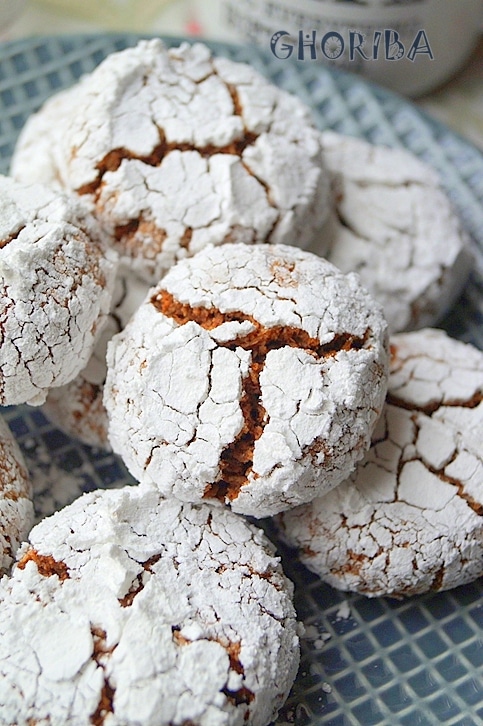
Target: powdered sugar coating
{"points": [[56, 282], [395, 226], [177, 149], [410, 518], [16, 508], [246, 372], [33, 159], [156, 613], [77, 407]]}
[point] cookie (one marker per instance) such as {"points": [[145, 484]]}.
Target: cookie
{"points": [[33, 159], [409, 519], [77, 407], [156, 613], [394, 225], [174, 149], [16, 508], [251, 375], [56, 282]]}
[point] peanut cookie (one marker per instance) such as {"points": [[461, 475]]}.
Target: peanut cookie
{"points": [[77, 407], [56, 283], [16, 508], [251, 375], [395, 226], [174, 149], [410, 518], [157, 613]]}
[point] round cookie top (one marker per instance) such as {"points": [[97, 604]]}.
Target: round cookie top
{"points": [[158, 613], [409, 519], [174, 149], [56, 281], [16, 508], [251, 375], [394, 225]]}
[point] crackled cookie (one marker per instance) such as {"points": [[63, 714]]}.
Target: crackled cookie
{"points": [[77, 407], [56, 283], [251, 375], [33, 160], [409, 519], [174, 149], [394, 225], [16, 508], [156, 613]]}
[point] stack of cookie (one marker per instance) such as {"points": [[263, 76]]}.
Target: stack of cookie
{"points": [[204, 288]]}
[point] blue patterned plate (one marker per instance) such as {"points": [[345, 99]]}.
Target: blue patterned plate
{"points": [[364, 662]]}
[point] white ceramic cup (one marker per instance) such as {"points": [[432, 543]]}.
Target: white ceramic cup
{"points": [[411, 46]]}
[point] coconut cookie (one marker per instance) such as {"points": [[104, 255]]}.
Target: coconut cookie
{"points": [[56, 283], [16, 508], [252, 375], [175, 149], [156, 613], [77, 407], [395, 226], [409, 519]]}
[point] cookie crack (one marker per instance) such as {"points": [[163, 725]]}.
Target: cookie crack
{"points": [[266, 187], [142, 237], [106, 700], [138, 583], [430, 408], [476, 506], [236, 462], [235, 97], [11, 237], [114, 158], [438, 580], [473, 504], [242, 695], [46, 564]]}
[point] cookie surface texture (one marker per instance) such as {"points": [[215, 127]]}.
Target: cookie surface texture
{"points": [[177, 149], [156, 613], [56, 281], [16, 508], [247, 371], [409, 519], [34, 156], [77, 407], [396, 227]]}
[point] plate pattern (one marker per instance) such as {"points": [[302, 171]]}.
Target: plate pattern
{"points": [[365, 662]]}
